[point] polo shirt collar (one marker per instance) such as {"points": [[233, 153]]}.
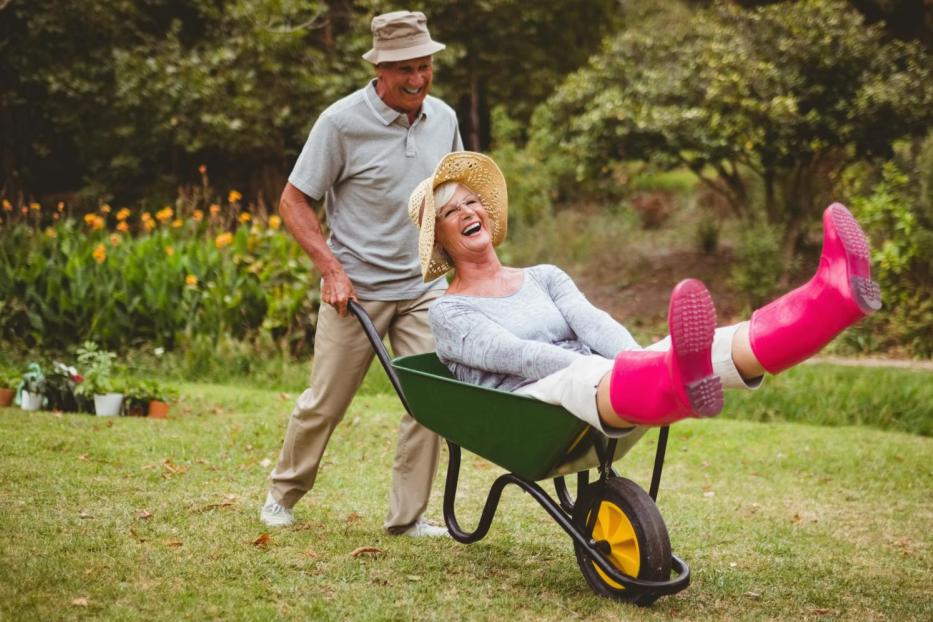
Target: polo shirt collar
{"points": [[386, 114]]}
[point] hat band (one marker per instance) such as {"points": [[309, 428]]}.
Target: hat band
{"points": [[402, 42]]}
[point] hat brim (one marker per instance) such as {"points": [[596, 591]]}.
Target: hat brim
{"points": [[481, 175], [390, 56]]}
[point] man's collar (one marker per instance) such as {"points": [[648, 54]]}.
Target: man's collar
{"points": [[386, 114]]}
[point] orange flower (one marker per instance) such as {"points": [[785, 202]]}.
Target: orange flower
{"points": [[245, 217], [54, 216], [275, 222], [224, 239], [169, 251], [61, 206], [123, 227], [115, 239], [191, 280], [105, 208], [234, 196], [165, 214], [214, 208], [123, 214], [202, 169], [95, 222], [146, 216], [50, 232], [100, 253], [149, 224], [24, 209], [177, 223], [198, 215], [7, 206], [35, 206]]}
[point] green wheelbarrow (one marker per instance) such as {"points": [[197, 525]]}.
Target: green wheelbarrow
{"points": [[620, 540]]}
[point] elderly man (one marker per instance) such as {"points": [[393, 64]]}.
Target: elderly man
{"points": [[364, 156]]}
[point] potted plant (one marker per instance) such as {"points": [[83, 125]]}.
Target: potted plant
{"points": [[8, 383], [60, 388], [135, 398], [32, 387], [159, 396], [98, 382]]}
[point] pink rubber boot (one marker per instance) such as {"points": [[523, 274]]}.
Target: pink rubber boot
{"points": [[658, 388], [799, 323]]}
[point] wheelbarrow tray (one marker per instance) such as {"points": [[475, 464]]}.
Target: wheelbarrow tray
{"points": [[525, 436]]}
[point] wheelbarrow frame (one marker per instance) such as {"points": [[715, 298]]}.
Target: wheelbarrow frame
{"points": [[561, 509]]}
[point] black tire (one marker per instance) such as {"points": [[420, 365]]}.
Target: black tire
{"points": [[624, 498]]}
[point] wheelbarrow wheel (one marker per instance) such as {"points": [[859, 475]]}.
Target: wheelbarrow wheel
{"points": [[630, 530]]}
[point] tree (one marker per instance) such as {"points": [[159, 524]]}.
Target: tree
{"points": [[785, 95]]}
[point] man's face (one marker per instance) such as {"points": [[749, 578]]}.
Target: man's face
{"points": [[404, 84]]}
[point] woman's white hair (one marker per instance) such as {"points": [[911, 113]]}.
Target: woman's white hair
{"points": [[444, 193]]}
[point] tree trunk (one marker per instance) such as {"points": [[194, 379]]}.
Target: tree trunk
{"points": [[474, 141]]}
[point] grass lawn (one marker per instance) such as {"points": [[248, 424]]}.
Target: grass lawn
{"points": [[144, 519]]}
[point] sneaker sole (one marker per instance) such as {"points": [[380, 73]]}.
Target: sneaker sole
{"points": [[692, 323], [866, 292]]}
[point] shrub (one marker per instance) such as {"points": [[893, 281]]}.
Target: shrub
{"points": [[755, 272]]}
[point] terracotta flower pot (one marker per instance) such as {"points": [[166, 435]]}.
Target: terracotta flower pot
{"points": [[158, 409], [6, 396]]}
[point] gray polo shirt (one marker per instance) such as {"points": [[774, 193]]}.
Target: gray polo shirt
{"points": [[364, 159]]}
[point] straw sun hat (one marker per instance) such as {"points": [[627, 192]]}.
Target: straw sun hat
{"points": [[481, 175]]}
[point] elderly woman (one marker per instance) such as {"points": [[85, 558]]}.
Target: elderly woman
{"points": [[531, 331]]}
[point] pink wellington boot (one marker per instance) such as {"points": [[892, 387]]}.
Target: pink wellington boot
{"points": [[799, 323], [658, 388]]}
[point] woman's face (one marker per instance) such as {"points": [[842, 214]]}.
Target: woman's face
{"points": [[462, 225]]}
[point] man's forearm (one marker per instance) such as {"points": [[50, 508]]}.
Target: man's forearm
{"points": [[302, 221]]}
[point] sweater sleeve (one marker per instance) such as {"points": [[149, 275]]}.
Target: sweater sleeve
{"points": [[466, 336], [593, 326]]}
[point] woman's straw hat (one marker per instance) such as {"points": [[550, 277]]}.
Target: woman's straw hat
{"points": [[481, 175]]}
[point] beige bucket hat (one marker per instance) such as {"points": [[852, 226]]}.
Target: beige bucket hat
{"points": [[401, 35], [481, 175]]}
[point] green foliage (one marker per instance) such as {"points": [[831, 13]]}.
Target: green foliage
{"points": [[33, 379], [782, 96], [754, 272], [97, 365], [898, 222], [170, 282], [61, 389]]}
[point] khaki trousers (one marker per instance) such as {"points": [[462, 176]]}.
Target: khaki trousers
{"points": [[342, 354]]}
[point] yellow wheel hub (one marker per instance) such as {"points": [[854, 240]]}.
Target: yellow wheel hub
{"points": [[613, 526]]}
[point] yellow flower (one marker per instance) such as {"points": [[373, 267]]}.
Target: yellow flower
{"points": [[177, 223], [123, 227], [146, 216], [169, 251], [191, 280], [35, 206], [234, 196], [198, 215], [95, 222], [100, 253], [224, 239], [123, 214], [7, 206], [214, 208], [50, 232], [115, 239], [165, 214], [89, 218], [61, 206], [149, 225], [245, 217], [105, 208], [275, 222]]}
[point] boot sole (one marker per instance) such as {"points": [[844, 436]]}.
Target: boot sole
{"points": [[692, 322], [867, 293]]}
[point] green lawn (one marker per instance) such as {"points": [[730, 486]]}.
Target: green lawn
{"points": [[144, 519]]}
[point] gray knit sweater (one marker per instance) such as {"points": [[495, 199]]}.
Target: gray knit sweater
{"points": [[510, 341]]}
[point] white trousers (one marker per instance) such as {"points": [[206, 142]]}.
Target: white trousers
{"points": [[574, 387]]}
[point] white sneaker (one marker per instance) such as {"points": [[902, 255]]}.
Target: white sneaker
{"points": [[423, 528], [274, 514]]}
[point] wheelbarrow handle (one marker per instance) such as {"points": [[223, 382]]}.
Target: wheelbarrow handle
{"points": [[378, 347]]}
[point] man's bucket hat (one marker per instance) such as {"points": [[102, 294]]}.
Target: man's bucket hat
{"points": [[401, 35], [477, 172]]}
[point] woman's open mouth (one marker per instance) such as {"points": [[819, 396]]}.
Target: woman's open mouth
{"points": [[472, 229]]}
